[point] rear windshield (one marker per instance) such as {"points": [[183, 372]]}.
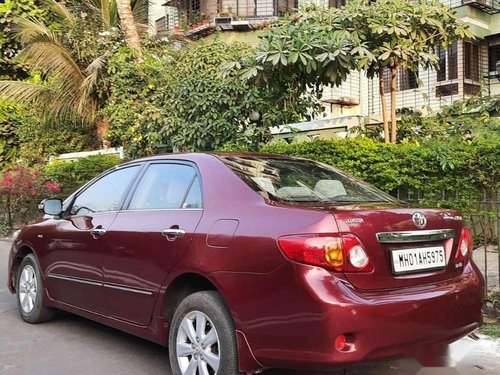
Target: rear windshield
{"points": [[298, 180]]}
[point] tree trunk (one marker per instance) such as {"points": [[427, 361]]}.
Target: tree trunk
{"points": [[102, 129], [105, 14], [394, 73], [128, 25], [381, 84]]}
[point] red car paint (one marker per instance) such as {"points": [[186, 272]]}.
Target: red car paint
{"points": [[286, 314]]}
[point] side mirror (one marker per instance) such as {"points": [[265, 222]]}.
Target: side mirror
{"points": [[51, 206]]}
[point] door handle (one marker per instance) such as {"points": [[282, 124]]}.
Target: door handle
{"points": [[173, 233], [97, 232]]}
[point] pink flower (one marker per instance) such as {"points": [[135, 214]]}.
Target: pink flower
{"points": [[7, 180], [53, 186]]}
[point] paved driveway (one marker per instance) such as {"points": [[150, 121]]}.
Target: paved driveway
{"points": [[73, 345]]}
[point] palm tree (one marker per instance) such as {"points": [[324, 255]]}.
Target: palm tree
{"points": [[66, 89], [109, 11], [128, 25]]}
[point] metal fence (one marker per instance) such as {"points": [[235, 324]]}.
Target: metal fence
{"points": [[481, 211], [5, 211]]}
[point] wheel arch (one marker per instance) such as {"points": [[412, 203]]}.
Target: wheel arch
{"points": [[191, 282], [182, 286], [21, 253]]}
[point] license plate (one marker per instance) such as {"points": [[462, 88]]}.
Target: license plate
{"points": [[418, 259]]}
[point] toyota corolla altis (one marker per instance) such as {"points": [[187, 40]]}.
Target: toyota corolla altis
{"points": [[244, 262]]}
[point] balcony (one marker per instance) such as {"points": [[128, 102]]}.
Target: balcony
{"points": [[197, 18], [487, 6]]}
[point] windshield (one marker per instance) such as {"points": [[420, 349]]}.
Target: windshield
{"points": [[299, 180]]}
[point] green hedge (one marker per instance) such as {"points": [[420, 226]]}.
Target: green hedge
{"points": [[72, 175], [468, 169]]}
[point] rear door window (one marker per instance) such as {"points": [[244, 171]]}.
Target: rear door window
{"points": [[167, 186]]}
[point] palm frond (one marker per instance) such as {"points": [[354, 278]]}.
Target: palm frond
{"points": [[52, 102], [62, 12], [93, 72], [113, 13], [27, 29], [54, 62]]}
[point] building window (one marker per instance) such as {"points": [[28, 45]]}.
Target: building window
{"points": [[447, 90], [405, 80], [408, 80], [336, 3], [471, 61], [448, 63], [441, 73], [493, 57], [160, 24], [471, 89]]}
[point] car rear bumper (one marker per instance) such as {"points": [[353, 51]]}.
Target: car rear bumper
{"points": [[378, 324]]}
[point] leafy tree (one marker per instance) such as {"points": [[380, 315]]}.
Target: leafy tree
{"points": [[401, 34], [25, 139], [321, 46], [9, 141], [67, 58], [178, 97], [9, 47], [305, 50]]}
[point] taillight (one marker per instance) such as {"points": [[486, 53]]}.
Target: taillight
{"points": [[465, 245], [337, 252], [357, 258]]}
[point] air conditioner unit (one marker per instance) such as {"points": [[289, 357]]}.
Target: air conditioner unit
{"points": [[224, 23]]}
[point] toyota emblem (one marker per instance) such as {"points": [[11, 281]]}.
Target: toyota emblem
{"points": [[419, 220]]}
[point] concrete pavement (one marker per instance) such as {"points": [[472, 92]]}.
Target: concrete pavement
{"points": [[73, 345]]}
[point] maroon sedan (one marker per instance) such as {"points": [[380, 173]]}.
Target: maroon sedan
{"points": [[243, 262]]}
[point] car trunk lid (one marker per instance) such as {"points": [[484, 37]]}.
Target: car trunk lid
{"points": [[383, 229]]}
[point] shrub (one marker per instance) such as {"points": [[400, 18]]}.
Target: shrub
{"points": [[463, 171], [21, 189], [72, 175]]}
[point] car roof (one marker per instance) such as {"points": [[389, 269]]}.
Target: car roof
{"points": [[193, 156]]}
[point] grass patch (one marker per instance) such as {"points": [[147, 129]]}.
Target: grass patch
{"points": [[492, 330]]}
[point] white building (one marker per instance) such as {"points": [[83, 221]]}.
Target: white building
{"points": [[467, 68]]}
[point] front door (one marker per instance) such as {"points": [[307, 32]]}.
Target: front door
{"points": [[74, 249], [148, 237]]}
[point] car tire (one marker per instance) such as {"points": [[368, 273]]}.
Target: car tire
{"points": [[30, 292], [198, 315]]}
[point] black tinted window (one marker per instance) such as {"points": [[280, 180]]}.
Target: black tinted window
{"points": [[164, 186], [298, 180], [105, 194]]}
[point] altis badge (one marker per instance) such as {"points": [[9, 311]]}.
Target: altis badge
{"points": [[354, 220]]}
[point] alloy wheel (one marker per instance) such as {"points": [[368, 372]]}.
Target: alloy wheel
{"points": [[198, 345], [27, 288]]}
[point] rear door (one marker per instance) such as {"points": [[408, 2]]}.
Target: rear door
{"points": [[148, 237], [74, 249]]}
